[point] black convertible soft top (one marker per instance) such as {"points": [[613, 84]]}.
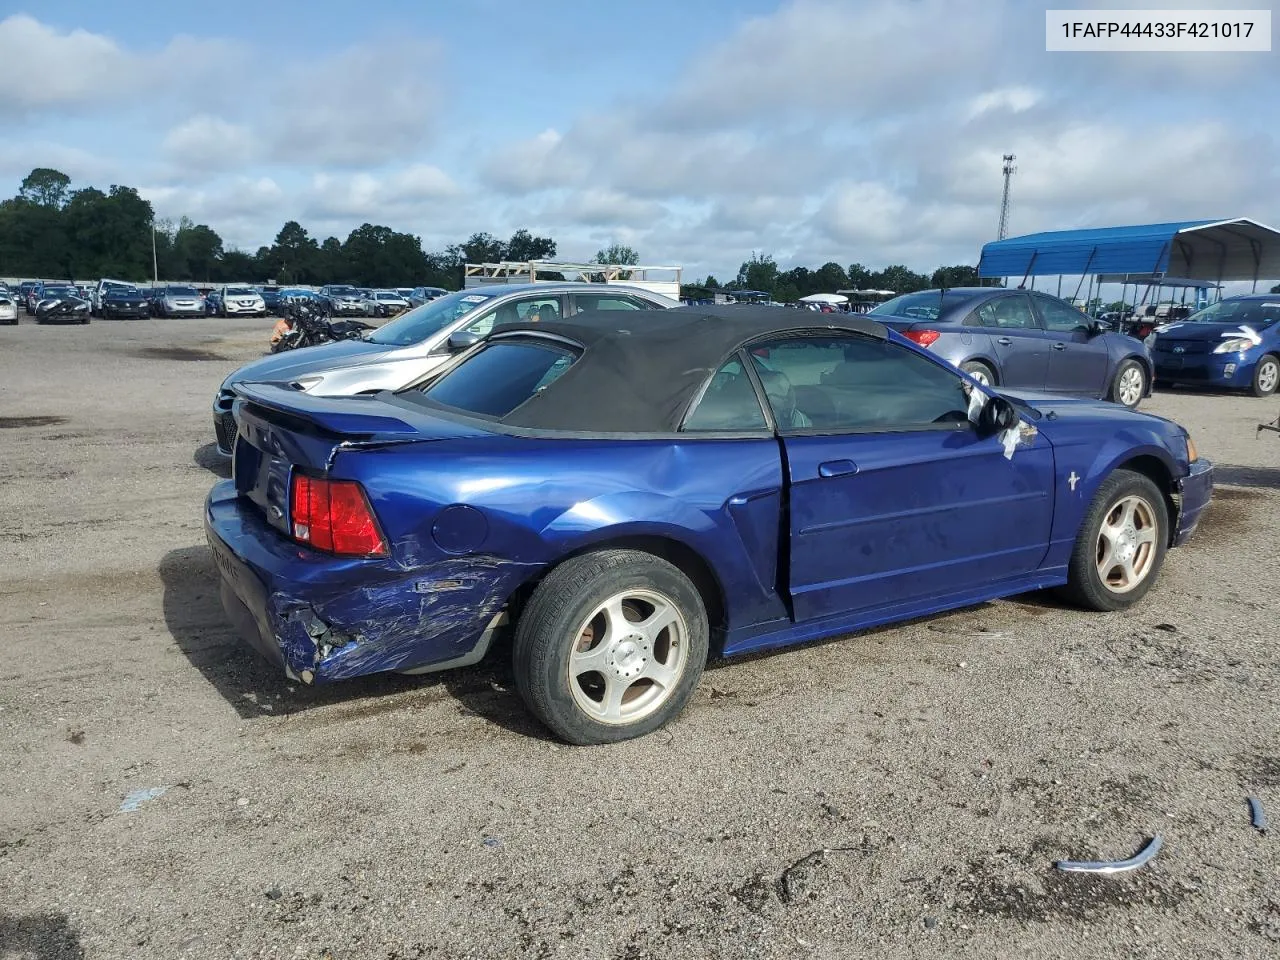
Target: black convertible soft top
{"points": [[640, 370]]}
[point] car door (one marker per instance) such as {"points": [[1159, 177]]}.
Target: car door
{"points": [[1078, 359], [1017, 338], [895, 498]]}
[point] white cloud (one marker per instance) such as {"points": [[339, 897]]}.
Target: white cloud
{"points": [[390, 198], [49, 70], [210, 143], [370, 104], [1006, 99]]}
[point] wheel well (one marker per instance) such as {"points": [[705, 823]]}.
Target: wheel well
{"points": [[989, 364], [1154, 469], [683, 557]]}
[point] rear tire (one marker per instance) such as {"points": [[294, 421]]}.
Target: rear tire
{"points": [[1129, 385], [637, 618], [1266, 376], [980, 372], [1121, 544]]}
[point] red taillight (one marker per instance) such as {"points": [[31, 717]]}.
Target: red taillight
{"points": [[922, 337], [334, 516]]}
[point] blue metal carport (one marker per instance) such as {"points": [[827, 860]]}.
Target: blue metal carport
{"points": [[1217, 250]]}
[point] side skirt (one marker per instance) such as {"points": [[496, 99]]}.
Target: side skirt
{"points": [[784, 634]]}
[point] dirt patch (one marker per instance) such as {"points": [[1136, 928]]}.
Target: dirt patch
{"points": [[177, 353], [1038, 893], [11, 423], [1229, 510]]}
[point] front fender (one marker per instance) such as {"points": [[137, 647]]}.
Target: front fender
{"points": [[1073, 500]]}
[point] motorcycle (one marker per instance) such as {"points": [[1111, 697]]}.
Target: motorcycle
{"points": [[307, 324]]}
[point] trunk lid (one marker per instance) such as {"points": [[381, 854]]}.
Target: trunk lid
{"points": [[282, 430]]}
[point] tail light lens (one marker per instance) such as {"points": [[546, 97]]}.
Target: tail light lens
{"points": [[334, 516], [922, 337]]}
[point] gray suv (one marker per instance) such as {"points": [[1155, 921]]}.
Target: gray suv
{"points": [[418, 341]]}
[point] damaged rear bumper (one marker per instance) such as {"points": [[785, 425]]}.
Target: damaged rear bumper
{"points": [[1194, 492], [324, 618]]}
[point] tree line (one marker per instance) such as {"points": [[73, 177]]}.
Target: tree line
{"points": [[761, 274], [49, 230]]}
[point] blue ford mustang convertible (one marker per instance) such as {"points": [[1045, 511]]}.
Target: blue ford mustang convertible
{"points": [[633, 493]]}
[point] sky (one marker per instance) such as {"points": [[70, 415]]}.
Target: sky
{"points": [[696, 132]]}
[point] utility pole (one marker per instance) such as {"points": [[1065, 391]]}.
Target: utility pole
{"points": [[1009, 169], [155, 263]]}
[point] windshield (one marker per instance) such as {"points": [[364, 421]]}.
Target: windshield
{"points": [[1258, 314], [342, 291], [58, 292], [925, 305], [118, 291], [182, 291], [241, 292], [430, 318]]}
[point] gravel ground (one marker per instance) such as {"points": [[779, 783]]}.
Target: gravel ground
{"points": [[896, 793]]}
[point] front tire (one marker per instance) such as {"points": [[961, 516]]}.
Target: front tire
{"points": [[1129, 385], [980, 372], [1266, 376], [610, 646], [1121, 544]]}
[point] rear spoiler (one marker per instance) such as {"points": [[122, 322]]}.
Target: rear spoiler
{"points": [[334, 415]]}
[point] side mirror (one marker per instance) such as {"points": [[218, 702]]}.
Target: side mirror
{"points": [[1099, 326], [462, 340], [997, 416]]}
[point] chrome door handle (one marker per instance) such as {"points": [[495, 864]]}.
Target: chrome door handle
{"points": [[1059, 346], [1004, 341]]}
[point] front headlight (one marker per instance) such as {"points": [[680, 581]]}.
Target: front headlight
{"points": [[1234, 345], [1192, 454], [306, 383]]}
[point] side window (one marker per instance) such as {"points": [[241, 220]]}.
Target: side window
{"points": [[1007, 313], [730, 403], [533, 310], [1060, 317], [596, 301], [856, 384]]}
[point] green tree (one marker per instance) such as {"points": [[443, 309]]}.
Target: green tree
{"points": [[293, 257], [46, 187], [238, 266], [961, 275], [758, 273], [378, 256], [524, 246], [859, 277], [617, 253], [199, 248], [829, 278], [899, 279], [711, 283]]}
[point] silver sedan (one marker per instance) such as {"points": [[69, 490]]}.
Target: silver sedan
{"points": [[418, 341]]}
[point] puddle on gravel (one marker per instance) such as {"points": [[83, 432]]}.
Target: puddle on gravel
{"points": [[177, 353], [15, 422]]}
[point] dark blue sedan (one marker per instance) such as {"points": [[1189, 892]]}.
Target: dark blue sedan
{"points": [[1233, 344], [633, 494], [1022, 339]]}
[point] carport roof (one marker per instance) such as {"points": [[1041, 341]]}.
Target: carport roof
{"points": [[1218, 250]]}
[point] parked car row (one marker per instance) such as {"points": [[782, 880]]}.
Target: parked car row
{"points": [[119, 299]]}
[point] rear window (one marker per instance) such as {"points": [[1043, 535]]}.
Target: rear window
{"points": [[241, 292], [926, 305], [500, 377]]}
